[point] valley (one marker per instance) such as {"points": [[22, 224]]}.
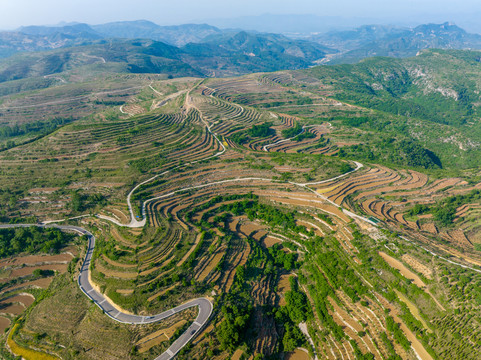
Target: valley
{"points": [[317, 221]]}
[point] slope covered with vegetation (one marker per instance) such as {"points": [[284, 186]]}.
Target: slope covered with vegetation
{"points": [[431, 100], [334, 209]]}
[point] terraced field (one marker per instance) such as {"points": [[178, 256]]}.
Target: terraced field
{"points": [[190, 194], [388, 195]]}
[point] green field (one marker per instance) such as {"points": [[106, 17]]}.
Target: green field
{"points": [[334, 209]]}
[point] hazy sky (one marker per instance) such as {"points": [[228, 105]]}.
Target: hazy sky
{"points": [[14, 13]]}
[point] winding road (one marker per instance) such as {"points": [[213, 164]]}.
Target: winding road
{"points": [[84, 282], [284, 140], [134, 223], [204, 305]]}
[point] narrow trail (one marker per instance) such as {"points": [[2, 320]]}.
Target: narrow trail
{"points": [[89, 289], [156, 105], [155, 91], [95, 57], [303, 130], [441, 257], [152, 107], [205, 305], [76, 98]]}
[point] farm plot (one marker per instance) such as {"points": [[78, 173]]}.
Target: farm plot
{"points": [[237, 223], [408, 274], [21, 276]]}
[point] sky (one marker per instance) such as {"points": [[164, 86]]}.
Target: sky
{"points": [[15, 13]]}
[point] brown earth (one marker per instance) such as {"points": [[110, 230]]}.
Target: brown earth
{"points": [[4, 323], [20, 272], [416, 265], [298, 354], [13, 309], [408, 274], [36, 259]]}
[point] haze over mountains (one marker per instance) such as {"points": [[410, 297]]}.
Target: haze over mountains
{"points": [[307, 195], [378, 40], [205, 50]]}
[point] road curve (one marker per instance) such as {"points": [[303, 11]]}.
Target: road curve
{"points": [[134, 222], [205, 305], [284, 140]]}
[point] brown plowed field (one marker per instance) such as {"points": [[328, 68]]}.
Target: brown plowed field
{"points": [[4, 324], [298, 354], [115, 273], [36, 259], [408, 274], [21, 272]]}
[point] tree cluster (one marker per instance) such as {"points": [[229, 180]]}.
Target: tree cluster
{"points": [[32, 240]]}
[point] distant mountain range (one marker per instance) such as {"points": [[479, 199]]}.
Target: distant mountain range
{"points": [[175, 35], [370, 41], [290, 24], [226, 54], [205, 50], [38, 38], [209, 50]]}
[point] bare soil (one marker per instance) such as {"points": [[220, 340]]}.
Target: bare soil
{"points": [[298, 354], [408, 274], [419, 267], [4, 323]]}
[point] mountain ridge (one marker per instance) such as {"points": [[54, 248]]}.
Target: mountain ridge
{"points": [[205, 50], [397, 42]]}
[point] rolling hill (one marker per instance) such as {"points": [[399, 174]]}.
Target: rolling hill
{"points": [[328, 208], [369, 41], [235, 54]]}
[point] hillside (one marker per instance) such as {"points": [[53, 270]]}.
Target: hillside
{"points": [[425, 96], [232, 55], [370, 41], [32, 40], [362, 36], [329, 212]]}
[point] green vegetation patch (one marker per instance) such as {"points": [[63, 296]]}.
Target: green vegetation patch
{"points": [[399, 152], [262, 130], [32, 240]]}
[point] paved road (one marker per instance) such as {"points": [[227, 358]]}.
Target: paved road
{"points": [[204, 305], [134, 222]]}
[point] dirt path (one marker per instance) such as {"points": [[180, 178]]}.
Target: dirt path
{"points": [[155, 91], [156, 105], [62, 101], [303, 328], [95, 57], [414, 310], [408, 274]]}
